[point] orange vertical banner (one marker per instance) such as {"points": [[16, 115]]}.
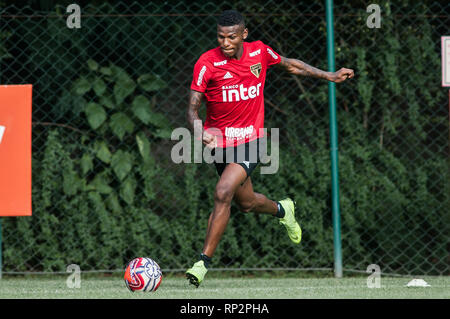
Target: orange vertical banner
{"points": [[15, 150]]}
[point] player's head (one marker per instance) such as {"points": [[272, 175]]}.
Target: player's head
{"points": [[231, 32]]}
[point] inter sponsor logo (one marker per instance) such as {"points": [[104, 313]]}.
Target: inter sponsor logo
{"points": [[235, 93], [220, 63], [254, 53]]}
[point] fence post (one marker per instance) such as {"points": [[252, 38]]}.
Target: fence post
{"points": [[334, 144]]}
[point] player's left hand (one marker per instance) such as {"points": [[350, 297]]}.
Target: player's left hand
{"points": [[209, 140], [342, 74]]}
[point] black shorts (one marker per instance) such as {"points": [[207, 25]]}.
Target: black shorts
{"points": [[247, 155]]}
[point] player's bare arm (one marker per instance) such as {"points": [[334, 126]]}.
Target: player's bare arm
{"points": [[298, 67], [195, 102]]}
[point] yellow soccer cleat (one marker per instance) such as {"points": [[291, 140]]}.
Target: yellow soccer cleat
{"points": [[196, 273], [293, 228]]}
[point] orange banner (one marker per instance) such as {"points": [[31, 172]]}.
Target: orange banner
{"points": [[15, 150]]}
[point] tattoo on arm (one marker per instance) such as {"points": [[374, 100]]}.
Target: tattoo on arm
{"points": [[195, 102], [298, 67]]}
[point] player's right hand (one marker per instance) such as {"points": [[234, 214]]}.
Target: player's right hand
{"points": [[209, 140]]}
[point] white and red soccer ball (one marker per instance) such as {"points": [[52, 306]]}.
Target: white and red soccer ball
{"points": [[143, 274]]}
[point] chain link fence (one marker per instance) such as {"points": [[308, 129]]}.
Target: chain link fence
{"points": [[107, 95]]}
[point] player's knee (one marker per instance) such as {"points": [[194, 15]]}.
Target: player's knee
{"points": [[223, 193]]}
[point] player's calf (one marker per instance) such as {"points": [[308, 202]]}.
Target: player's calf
{"points": [[246, 207]]}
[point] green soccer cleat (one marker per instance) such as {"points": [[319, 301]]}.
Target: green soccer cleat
{"points": [[293, 228], [196, 273]]}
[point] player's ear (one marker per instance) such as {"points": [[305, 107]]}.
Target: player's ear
{"points": [[245, 34]]}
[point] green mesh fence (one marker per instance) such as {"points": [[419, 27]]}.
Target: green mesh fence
{"points": [[107, 96]]}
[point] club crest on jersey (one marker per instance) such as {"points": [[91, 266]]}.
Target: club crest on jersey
{"points": [[256, 69]]}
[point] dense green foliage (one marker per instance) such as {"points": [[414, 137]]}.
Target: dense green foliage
{"points": [[107, 96]]}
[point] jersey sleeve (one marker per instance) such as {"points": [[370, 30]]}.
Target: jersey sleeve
{"points": [[272, 57], [201, 75]]}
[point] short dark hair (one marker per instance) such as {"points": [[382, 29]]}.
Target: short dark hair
{"points": [[229, 18]]}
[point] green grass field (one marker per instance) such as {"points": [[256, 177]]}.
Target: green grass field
{"points": [[176, 287]]}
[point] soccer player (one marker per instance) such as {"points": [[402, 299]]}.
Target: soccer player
{"points": [[231, 78]]}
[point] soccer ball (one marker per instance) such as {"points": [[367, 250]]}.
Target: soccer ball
{"points": [[143, 274]]}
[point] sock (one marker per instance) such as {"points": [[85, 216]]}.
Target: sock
{"points": [[206, 259], [280, 212]]}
